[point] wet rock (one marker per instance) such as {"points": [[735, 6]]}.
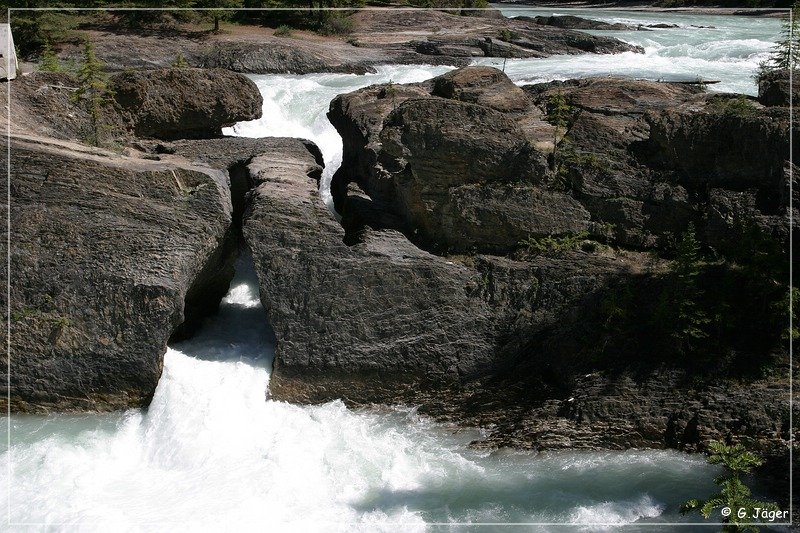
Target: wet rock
{"points": [[577, 23]]}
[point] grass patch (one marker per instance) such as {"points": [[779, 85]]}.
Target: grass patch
{"points": [[741, 106], [552, 244]]}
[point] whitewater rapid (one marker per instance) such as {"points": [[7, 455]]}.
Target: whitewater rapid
{"points": [[728, 49], [212, 452]]}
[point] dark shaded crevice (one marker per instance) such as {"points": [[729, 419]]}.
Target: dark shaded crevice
{"points": [[241, 183], [213, 281]]}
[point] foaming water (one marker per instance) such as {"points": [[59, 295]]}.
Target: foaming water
{"points": [[212, 452], [708, 47], [297, 106], [724, 48]]}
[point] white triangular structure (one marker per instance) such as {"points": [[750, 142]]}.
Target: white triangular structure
{"points": [[8, 54]]}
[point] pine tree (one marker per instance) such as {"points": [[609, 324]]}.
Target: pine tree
{"points": [[218, 10], [92, 91], [559, 113], [734, 494], [689, 317], [786, 53], [49, 61], [180, 61]]}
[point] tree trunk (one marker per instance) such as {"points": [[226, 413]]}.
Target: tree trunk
{"points": [[216, 24]]}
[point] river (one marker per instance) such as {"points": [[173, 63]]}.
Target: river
{"points": [[211, 453]]}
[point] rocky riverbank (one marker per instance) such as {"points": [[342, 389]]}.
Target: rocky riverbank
{"points": [[378, 37], [116, 252], [517, 258], [745, 9]]}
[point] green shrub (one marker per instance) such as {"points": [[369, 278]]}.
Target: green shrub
{"points": [[507, 35], [740, 106], [180, 61], [49, 61], [337, 25], [550, 244], [284, 30]]}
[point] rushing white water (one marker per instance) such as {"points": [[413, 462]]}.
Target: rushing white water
{"points": [[212, 452], [707, 47], [725, 48], [297, 106]]}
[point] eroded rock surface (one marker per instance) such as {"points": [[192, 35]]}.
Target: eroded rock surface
{"points": [[377, 321], [182, 103], [113, 255], [104, 252], [466, 161], [636, 161]]}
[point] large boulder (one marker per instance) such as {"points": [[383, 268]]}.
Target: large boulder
{"points": [[377, 321], [106, 255], [458, 159], [184, 102], [775, 89], [358, 118], [465, 175], [485, 86], [113, 256]]}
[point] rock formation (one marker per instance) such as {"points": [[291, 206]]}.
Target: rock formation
{"points": [[578, 23], [183, 103], [112, 255], [104, 253], [555, 344], [378, 38], [638, 162], [495, 265]]}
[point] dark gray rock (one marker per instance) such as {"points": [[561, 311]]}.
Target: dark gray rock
{"points": [[628, 411], [184, 102], [105, 252], [115, 255], [451, 176], [774, 89], [633, 167], [358, 117], [485, 86], [378, 321], [577, 23]]}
